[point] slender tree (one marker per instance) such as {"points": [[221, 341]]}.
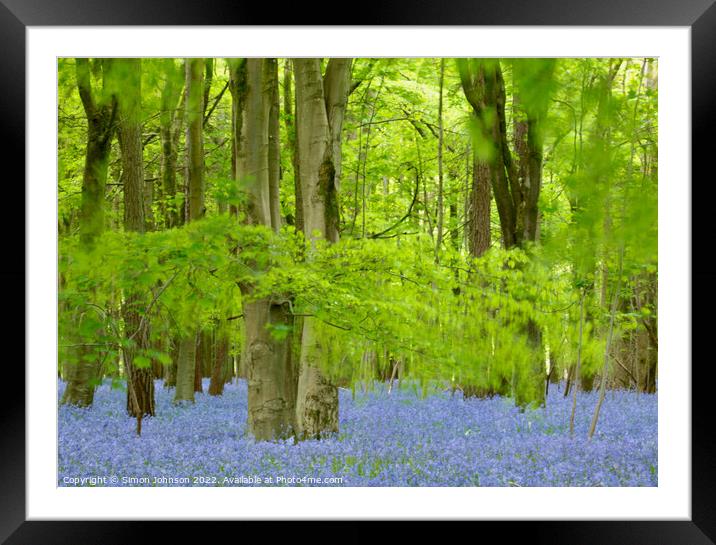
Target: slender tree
{"points": [[441, 133], [195, 139], [193, 100], [171, 93], [289, 122], [274, 145], [140, 383]]}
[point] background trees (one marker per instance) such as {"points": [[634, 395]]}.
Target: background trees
{"points": [[328, 222]]}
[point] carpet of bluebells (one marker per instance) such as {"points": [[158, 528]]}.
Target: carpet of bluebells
{"points": [[396, 439]]}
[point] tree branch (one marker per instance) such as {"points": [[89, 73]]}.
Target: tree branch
{"points": [[213, 106], [407, 214]]}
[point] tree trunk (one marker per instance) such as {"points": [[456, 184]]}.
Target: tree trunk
{"points": [[230, 370], [317, 396], [195, 138], [645, 337], [101, 124], [605, 367], [516, 189], [219, 370], [185, 369], [320, 108], [288, 107], [480, 234], [140, 382], [485, 164], [268, 321], [194, 108], [237, 88], [170, 96], [208, 78], [199, 360], [268, 369], [170, 371], [336, 86], [440, 214], [274, 144]]}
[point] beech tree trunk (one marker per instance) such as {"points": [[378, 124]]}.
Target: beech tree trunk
{"points": [[441, 211], [194, 109], [186, 361], [171, 93], [195, 138], [200, 360], [289, 121], [170, 371], [268, 320], [274, 145], [336, 87], [320, 108], [269, 370]]}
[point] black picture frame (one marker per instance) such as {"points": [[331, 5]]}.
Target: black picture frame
{"points": [[699, 15]]}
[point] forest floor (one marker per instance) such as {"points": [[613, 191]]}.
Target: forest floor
{"points": [[396, 439]]}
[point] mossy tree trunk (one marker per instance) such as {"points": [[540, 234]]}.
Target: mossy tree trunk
{"points": [[101, 110], [320, 108], [268, 320]]}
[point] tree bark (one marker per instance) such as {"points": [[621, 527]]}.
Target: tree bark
{"points": [[441, 213], [195, 138], [288, 113], [320, 108], [171, 93], [200, 360], [274, 144], [219, 370], [170, 371], [186, 361], [478, 84], [237, 88], [140, 382], [479, 234], [268, 321], [208, 78], [194, 108], [100, 110], [336, 86], [484, 89], [271, 389]]}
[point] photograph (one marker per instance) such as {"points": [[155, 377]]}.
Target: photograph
{"points": [[357, 272]]}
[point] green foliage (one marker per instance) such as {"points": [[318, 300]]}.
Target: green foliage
{"points": [[380, 296]]}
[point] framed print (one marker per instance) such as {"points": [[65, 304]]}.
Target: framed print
{"points": [[287, 291]]}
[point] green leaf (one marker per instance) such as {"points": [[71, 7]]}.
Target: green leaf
{"points": [[142, 362]]}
